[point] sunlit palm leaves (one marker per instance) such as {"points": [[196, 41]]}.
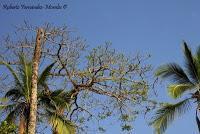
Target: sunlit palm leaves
{"points": [[167, 114], [183, 80], [60, 124], [177, 90]]}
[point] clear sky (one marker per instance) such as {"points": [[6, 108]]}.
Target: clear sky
{"points": [[147, 26]]}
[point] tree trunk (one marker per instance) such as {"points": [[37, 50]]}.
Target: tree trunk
{"points": [[22, 125], [33, 100]]}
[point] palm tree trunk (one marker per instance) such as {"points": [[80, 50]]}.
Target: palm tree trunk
{"points": [[22, 125], [33, 100]]}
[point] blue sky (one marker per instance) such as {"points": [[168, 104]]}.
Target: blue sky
{"points": [[157, 27]]}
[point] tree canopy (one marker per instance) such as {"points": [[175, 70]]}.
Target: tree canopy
{"points": [[100, 83]]}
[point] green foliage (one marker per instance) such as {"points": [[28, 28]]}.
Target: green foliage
{"points": [[191, 65], [60, 124], [14, 74], [6, 128], [18, 97], [167, 114], [197, 121], [183, 80], [45, 75], [174, 72], [176, 90]]}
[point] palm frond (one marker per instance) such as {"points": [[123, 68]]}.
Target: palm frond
{"points": [[7, 107], [173, 71], [57, 93], [65, 95], [198, 54], [61, 99], [14, 94], [176, 90], [45, 102], [3, 100], [197, 60], [60, 103], [198, 121], [15, 112], [16, 78], [60, 124], [45, 74], [191, 65], [54, 100], [11, 117], [2, 107], [165, 115], [25, 70]]}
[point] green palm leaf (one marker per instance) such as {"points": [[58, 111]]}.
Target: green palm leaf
{"points": [[2, 107], [191, 65], [25, 72], [7, 107], [57, 92], [14, 94], [15, 112], [197, 60], [173, 71], [165, 115], [3, 100], [198, 54], [60, 124], [17, 80], [45, 74], [176, 90], [60, 99], [197, 120]]}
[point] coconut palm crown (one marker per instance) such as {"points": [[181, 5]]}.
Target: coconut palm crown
{"points": [[185, 86], [50, 102]]}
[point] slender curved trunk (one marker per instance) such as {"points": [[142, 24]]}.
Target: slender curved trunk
{"points": [[33, 100], [22, 125]]}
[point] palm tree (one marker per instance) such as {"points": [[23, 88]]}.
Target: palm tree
{"points": [[184, 82], [19, 98], [55, 103]]}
